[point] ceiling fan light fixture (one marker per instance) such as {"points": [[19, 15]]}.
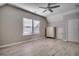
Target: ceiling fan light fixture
{"points": [[49, 7]]}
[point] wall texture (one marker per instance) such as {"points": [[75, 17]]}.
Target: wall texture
{"points": [[11, 26]]}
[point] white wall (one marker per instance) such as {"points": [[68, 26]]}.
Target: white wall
{"points": [[55, 20], [11, 29]]}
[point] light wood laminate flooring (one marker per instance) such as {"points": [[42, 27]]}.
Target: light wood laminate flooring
{"points": [[42, 47]]}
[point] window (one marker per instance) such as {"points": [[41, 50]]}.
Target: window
{"points": [[27, 26], [31, 26], [36, 26]]}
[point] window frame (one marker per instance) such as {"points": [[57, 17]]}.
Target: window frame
{"points": [[33, 27], [23, 26], [32, 33]]}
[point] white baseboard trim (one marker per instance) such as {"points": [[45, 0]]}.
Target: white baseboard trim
{"points": [[7, 45], [71, 41], [74, 41]]}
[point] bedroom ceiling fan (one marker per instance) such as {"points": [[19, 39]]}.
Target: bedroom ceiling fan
{"points": [[49, 7]]}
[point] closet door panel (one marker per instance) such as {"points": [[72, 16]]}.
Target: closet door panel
{"points": [[73, 30]]}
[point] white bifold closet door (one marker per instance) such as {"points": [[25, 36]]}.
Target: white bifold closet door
{"points": [[73, 30]]}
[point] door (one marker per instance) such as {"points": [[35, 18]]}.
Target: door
{"points": [[73, 30]]}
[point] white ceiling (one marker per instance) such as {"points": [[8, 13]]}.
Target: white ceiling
{"points": [[34, 7]]}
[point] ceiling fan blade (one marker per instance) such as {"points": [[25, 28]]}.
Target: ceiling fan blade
{"points": [[55, 6], [44, 11], [43, 7], [50, 10], [53, 3], [49, 4]]}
